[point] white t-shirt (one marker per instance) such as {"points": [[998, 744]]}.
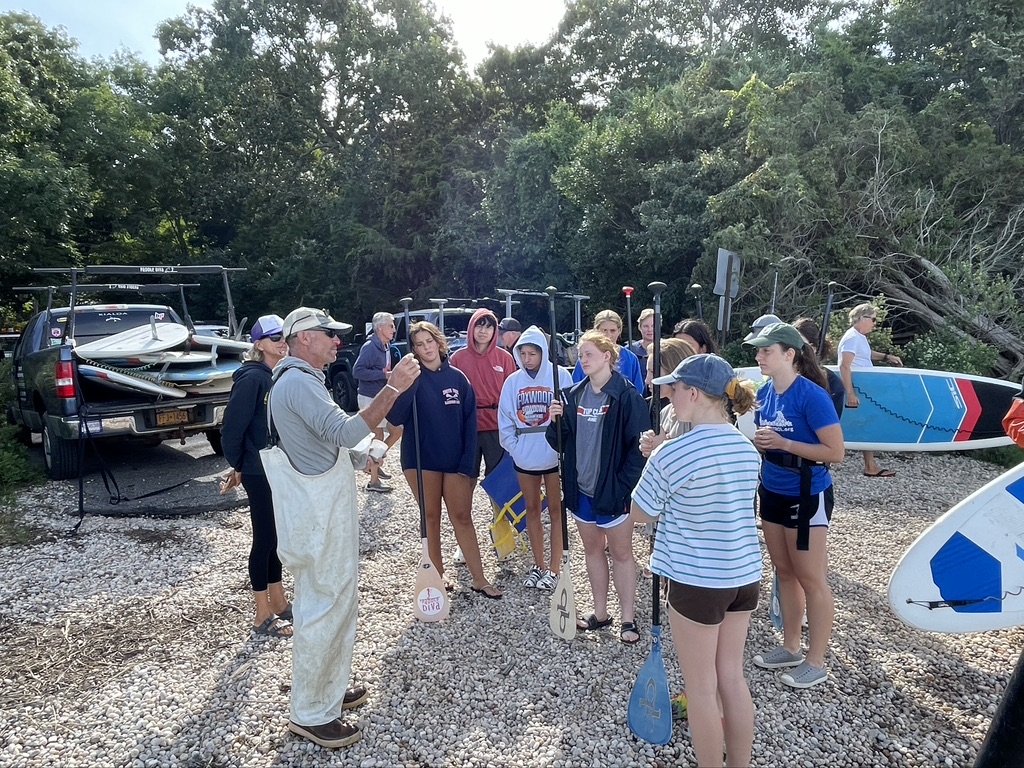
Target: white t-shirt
{"points": [[856, 342], [702, 485]]}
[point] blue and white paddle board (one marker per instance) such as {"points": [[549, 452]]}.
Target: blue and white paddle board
{"points": [[195, 375], [966, 572], [126, 382], [907, 409]]}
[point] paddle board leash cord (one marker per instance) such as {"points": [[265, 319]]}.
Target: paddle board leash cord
{"points": [[931, 605], [916, 423]]}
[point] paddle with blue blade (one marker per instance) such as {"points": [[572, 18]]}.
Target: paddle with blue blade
{"points": [[650, 706]]}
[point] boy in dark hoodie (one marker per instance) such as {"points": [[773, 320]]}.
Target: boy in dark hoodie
{"points": [[486, 365]]}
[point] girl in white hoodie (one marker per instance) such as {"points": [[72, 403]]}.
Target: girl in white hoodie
{"points": [[522, 420]]}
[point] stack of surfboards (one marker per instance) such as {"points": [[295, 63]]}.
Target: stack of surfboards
{"points": [[162, 359]]}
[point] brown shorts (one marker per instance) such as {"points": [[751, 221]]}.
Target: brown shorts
{"points": [[709, 606]]}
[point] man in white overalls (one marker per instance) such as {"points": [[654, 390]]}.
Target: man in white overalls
{"points": [[313, 484]]}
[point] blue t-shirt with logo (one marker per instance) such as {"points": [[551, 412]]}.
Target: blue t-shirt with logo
{"points": [[796, 414]]}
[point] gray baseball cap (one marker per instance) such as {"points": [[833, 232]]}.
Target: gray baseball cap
{"points": [[760, 324], [708, 373]]}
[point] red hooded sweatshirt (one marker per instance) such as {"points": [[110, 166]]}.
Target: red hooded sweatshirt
{"points": [[486, 372]]}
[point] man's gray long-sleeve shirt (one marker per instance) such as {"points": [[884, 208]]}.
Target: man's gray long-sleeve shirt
{"points": [[311, 425]]}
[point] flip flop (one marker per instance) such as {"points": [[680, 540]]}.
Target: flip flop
{"points": [[483, 591], [275, 626], [592, 623], [881, 473]]}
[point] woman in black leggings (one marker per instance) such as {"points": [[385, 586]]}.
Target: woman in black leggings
{"points": [[243, 434]]}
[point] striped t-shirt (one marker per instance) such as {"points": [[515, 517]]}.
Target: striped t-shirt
{"points": [[702, 486]]}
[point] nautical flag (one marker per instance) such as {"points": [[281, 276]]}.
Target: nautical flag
{"points": [[508, 524]]}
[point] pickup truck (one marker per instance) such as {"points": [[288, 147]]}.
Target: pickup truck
{"points": [[52, 399], [339, 375]]}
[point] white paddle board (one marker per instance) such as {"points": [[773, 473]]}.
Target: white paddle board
{"points": [[126, 382], [908, 409], [221, 344], [178, 357], [146, 339], [966, 572]]}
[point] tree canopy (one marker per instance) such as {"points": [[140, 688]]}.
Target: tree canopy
{"points": [[342, 153]]}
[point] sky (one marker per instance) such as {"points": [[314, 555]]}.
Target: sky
{"points": [[102, 27]]}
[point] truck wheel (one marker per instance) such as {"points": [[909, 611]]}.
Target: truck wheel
{"points": [[344, 393], [213, 435], [60, 455]]}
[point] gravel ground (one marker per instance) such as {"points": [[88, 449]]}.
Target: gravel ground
{"points": [[129, 645]]}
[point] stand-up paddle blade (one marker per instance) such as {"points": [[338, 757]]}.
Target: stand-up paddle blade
{"points": [[562, 616], [431, 601], [650, 707]]}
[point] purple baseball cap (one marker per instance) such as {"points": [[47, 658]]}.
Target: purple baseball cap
{"points": [[268, 325]]}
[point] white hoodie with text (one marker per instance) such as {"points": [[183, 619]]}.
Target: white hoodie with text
{"points": [[523, 408]]}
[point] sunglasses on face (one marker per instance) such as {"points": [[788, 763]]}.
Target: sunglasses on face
{"points": [[331, 333], [275, 337]]}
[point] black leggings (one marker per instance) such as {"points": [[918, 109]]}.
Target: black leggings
{"points": [[264, 565]]}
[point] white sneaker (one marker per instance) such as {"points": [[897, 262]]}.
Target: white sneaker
{"points": [[459, 558]]}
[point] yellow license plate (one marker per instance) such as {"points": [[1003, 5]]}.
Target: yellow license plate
{"points": [[170, 418]]}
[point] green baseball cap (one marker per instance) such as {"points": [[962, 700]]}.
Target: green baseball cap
{"points": [[778, 333]]}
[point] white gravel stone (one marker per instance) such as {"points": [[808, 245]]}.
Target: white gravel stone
{"points": [[129, 644]]}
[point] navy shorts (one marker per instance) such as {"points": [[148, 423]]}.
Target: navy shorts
{"points": [[585, 514], [782, 510]]}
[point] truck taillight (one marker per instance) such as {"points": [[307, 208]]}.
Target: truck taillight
{"points": [[65, 381]]}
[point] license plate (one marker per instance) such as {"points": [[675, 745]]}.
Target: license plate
{"points": [[170, 418]]}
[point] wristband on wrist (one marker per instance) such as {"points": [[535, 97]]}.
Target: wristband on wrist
{"points": [[396, 390]]}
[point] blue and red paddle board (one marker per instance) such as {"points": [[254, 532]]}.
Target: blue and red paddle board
{"points": [[907, 409]]}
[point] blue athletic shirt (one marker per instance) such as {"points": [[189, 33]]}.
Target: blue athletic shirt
{"points": [[797, 414], [702, 485]]}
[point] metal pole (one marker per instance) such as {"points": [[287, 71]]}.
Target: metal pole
{"points": [[775, 288]]}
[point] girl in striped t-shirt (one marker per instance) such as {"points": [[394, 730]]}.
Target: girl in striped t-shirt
{"points": [[700, 487]]}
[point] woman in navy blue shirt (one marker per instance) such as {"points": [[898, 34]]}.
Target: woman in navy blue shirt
{"points": [[446, 413]]}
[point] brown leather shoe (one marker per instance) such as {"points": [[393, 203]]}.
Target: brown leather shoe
{"points": [[331, 735], [355, 696]]}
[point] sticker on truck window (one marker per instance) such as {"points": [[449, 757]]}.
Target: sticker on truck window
{"points": [[56, 332]]}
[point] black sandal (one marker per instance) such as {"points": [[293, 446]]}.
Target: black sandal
{"points": [[629, 627], [592, 623]]}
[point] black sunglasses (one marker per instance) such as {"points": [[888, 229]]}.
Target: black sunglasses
{"points": [[331, 333], [275, 337]]}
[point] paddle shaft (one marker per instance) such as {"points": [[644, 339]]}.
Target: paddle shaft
{"points": [[416, 432], [826, 320], [628, 290], [657, 288], [556, 390]]}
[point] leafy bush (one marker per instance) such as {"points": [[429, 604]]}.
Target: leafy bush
{"points": [[941, 350]]}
